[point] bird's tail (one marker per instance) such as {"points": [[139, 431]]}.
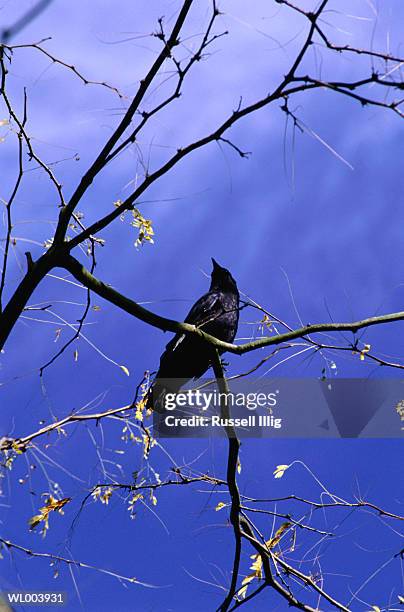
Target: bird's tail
{"points": [[156, 395]]}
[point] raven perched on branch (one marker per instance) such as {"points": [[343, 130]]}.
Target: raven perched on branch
{"points": [[186, 356]]}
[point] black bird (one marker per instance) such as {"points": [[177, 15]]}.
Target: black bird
{"points": [[186, 356]]}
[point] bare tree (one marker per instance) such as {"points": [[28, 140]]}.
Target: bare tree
{"points": [[73, 242]]}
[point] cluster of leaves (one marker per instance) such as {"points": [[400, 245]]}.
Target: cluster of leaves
{"points": [[142, 402], [102, 494], [265, 325], [140, 497], [51, 505], [400, 410], [10, 449], [145, 438], [143, 225], [256, 566]]}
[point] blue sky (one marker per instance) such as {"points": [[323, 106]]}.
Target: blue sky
{"points": [[303, 233]]}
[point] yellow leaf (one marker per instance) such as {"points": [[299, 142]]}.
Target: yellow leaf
{"points": [[400, 409], [274, 541], [51, 505], [242, 592], [144, 227], [219, 506], [35, 520], [248, 579], [103, 494], [257, 567], [280, 470], [401, 599], [125, 369], [3, 122], [376, 609], [132, 502], [140, 407], [363, 352], [256, 573]]}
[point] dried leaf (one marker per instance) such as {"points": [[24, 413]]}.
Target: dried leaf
{"points": [[256, 566], [51, 505], [363, 352], [140, 406], [280, 470], [146, 231], [103, 494], [132, 502], [245, 582], [272, 542]]}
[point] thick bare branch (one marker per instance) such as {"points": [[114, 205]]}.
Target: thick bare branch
{"points": [[232, 464], [88, 280]]}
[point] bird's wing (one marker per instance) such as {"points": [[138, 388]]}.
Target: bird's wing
{"points": [[206, 309]]}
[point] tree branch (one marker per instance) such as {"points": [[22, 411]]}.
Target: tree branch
{"points": [[232, 464], [81, 274], [100, 161], [57, 558]]}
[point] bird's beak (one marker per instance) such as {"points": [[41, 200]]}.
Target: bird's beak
{"points": [[215, 264]]}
